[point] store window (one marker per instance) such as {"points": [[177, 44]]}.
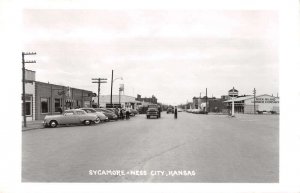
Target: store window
{"points": [[57, 105], [28, 106], [44, 105]]}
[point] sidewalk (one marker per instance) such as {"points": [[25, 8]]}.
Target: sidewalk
{"points": [[38, 124]]}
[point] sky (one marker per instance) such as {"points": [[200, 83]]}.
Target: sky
{"points": [[171, 54]]}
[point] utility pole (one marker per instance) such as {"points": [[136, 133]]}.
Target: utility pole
{"points": [[111, 86], [199, 103], [206, 100], [23, 81], [254, 92], [120, 96], [99, 81]]}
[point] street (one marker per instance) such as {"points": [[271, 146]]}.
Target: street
{"points": [[192, 148]]}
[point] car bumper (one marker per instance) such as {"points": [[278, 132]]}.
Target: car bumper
{"points": [[45, 124]]}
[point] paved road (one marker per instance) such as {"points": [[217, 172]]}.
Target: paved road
{"points": [[206, 148]]}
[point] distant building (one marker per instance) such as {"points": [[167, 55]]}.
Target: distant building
{"points": [[117, 101], [267, 103], [198, 102], [152, 100]]}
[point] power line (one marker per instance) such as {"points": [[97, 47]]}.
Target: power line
{"points": [[99, 81]]}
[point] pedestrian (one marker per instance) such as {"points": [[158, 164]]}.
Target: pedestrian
{"points": [[175, 113], [122, 114], [60, 110], [127, 113], [117, 112], [159, 111]]}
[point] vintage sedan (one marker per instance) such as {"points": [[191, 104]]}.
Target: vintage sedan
{"points": [[72, 116], [101, 116], [109, 114]]}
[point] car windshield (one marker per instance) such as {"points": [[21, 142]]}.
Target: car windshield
{"points": [[102, 110], [80, 112], [68, 113], [152, 109], [106, 110], [89, 110]]}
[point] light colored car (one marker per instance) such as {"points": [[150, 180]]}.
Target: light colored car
{"points": [[101, 116], [72, 116], [179, 110]]}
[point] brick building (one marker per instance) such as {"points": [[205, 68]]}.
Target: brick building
{"points": [[49, 98], [152, 99], [43, 99]]}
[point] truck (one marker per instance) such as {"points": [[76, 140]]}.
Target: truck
{"points": [[153, 111]]}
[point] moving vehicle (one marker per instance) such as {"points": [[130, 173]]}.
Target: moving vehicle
{"points": [[72, 116], [170, 110], [101, 116], [179, 110], [153, 111], [108, 113]]}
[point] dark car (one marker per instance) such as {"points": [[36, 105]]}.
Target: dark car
{"points": [[108, 113], [133, 112], [170, 110], [114, 110]]}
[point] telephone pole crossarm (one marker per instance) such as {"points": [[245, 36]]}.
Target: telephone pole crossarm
{"points": [[99, 81]]}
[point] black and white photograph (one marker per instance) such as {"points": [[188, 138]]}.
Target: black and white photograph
{"points": [[150, 96], [146, 96]]}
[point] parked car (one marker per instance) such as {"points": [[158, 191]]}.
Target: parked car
{"points": [[101, 116], [109, 114], [72, 116], [113, 110], [133, 112], [196, 111]]}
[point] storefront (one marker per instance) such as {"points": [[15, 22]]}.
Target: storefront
{"points": [[263, 103], [29, 95], [50, 99]]}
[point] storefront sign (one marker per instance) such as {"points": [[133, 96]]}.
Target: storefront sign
{"points": [[265, 100]]}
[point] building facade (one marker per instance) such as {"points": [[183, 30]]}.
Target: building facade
{"points": [[50, 98], [263, 103], [29, 95], [151, 100], [117, 101]]}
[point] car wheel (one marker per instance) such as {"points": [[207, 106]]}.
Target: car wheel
{"points": [[97, 121], [86, 122], [53, 124]]}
